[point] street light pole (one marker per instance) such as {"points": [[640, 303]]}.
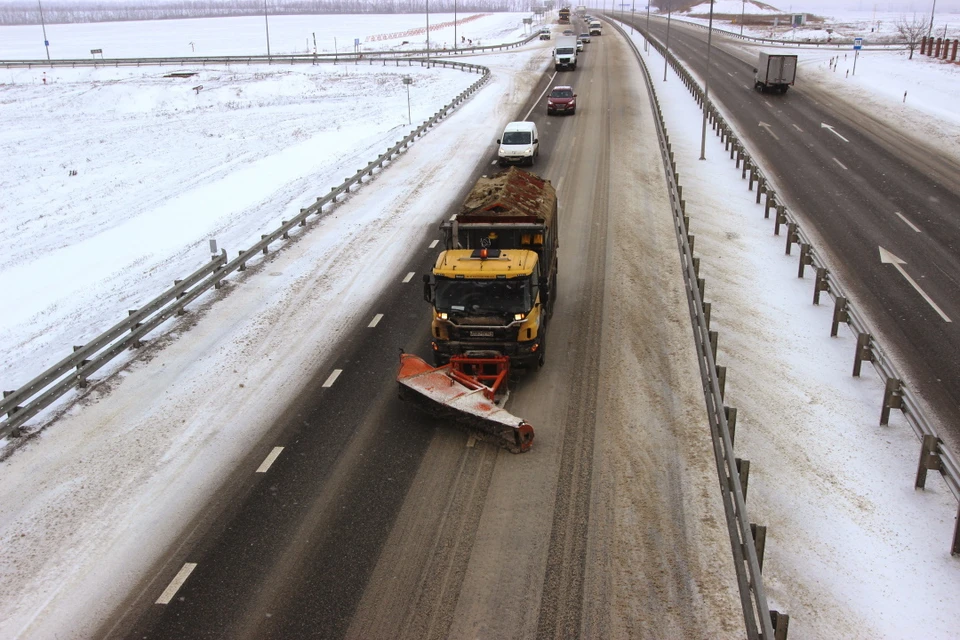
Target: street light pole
{"points": [[743, 12], [454, 25], [46, 43], [706, 88], [666, 47], [633, 9], [266, 22], [428, 34], [930, 30], [646, 36]]}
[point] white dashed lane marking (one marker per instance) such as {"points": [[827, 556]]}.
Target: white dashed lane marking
{"points": [[176, 583], [269, 459], [376, 319], [409, 277], [333, 377]]}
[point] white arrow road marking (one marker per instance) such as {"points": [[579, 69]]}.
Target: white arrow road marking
{"points": [[833, 131], [888, 258], [269, 460], [841, 164], [333, 377], [767, 127], [909, 224], [176, 583]]}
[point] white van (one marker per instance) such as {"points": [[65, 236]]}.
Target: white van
{"points": [[519, 144]]}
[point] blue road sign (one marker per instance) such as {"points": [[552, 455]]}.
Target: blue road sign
{"points": [[858, 43]]}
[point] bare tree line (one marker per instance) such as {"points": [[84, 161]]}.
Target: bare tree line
{"points": [[23, 12]]}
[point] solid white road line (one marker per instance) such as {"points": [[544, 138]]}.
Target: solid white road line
{"points": [[269, 460], [409, 277], [798, 128], [333, 377], [840, 163], [545, 89], [434, 244], [909, 224], [176, 583], [375, 321]]}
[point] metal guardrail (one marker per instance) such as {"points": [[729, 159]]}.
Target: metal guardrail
{"points": [[933, 454], [17, 407], [746, 538], [433, 55]]}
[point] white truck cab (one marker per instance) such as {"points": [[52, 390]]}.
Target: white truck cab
{"points": [[519, 144]]}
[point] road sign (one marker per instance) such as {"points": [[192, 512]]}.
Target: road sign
{"points": [[857, 44]]}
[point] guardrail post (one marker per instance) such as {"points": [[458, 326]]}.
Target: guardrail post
{"points": [[820, 284], [892, 399], [929, 459], [780, 623], [955, 548], [743, 469], [696, 266], [701, 285], [286, 234], [691, 240], [721, 379], [863, 352], [713, 337], [840, 314], [771, 202], [243, 265], [760, 541], [792, 236], [780, 219], [731, 415], [136, 343], [806, 257], [761, 187], [264, 237], [707, 307]]}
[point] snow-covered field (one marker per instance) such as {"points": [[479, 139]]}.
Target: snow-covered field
{"points": [[162, 168]]}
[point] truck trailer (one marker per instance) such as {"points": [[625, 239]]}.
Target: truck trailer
{"points": [[775, 72]]}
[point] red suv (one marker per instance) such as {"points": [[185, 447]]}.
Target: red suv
{"points": [[561, 100]]}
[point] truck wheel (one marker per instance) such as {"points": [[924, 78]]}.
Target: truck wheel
{"points": [[784, 88]]}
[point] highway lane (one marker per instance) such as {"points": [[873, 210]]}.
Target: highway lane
{"points": [[857, 187], [376, 521]]}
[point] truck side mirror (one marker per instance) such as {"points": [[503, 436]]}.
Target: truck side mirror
{"points": [[427, 289], [498, 140], [755, 71], [536, 141]]}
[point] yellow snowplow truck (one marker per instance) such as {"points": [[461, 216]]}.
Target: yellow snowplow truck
{"points": [[493, 288]]}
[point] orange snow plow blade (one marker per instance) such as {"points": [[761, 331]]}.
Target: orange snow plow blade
{"points": [[465, 391]]}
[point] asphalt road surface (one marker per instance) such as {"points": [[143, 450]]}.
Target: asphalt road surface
{"points": [[378, 521]]}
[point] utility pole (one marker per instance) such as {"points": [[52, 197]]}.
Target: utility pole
{"points": [[646, 38], [428, 34], [743, 12], [666, 47], [266, 22], [46, 43], [930, 30]]}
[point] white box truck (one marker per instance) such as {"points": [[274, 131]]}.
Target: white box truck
{"points": [[565, 53], [775, 72], [595, 28]]}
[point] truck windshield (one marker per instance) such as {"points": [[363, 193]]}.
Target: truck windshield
{"points": [[516, 137], [564, 51], [484, 296]]}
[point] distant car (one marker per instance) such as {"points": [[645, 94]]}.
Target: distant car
{"points": [[579, 45], [544, 35], [568, 32], [585, 37], [562, 99]]}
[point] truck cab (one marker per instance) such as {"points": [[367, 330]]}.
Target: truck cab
{"points": [[488, 300], [565, 53]]}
